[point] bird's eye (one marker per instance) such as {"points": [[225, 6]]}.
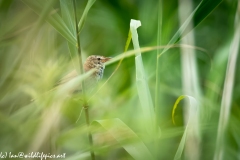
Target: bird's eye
{"points": [[99, 59]]}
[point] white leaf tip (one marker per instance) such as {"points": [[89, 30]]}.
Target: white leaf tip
{"points": [[135, 23]]}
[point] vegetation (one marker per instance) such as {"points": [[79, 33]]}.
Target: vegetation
{"points": [[175, 97]]}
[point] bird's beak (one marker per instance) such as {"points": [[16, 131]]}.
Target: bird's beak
{"points": [[107, 59]]}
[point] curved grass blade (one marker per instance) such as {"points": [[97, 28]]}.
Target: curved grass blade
{"points": [[191, 129], [147, 49], [54, 19], [175, 107], [190, 78], [123, 135]]}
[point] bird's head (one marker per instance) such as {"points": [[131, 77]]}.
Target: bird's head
{"points": [[95, 61]]}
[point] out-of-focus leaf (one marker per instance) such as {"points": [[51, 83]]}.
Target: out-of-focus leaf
{"points": [[54, 19], [123, 134], [79, 156], [226, 102], [204, 8], [71, 85], [147, 49], [181, 30], [68, 15], [84, 16], [175, 106], [119, 63], [128, 41], [142, 84], [190, 125], [67, 10]]}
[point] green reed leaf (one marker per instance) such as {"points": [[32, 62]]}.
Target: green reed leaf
{"points": [[54, 19], [67, 10], [204, 8], [84, 16], [142, 84], [123, 135]]}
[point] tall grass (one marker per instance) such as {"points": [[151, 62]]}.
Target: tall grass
{"points": [[190, 82], [129, 117], [228, 88]]}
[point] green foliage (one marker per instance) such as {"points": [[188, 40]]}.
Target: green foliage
{"points": [[191, 124], [38, 46], [84, 16], [67, 11], [54, 19], [123, 135]]}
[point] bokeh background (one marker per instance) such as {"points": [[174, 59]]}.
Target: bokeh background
{"points": [[34, 56]]}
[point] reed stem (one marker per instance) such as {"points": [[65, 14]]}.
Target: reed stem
{"points": [[85, 104]]}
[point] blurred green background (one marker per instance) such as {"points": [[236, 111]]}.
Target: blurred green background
{"points": [[34, 56]]}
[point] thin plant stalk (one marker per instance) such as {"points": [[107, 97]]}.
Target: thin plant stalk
{"points": [[78, 46], [85, 104], [160, 14], [159, 42]]}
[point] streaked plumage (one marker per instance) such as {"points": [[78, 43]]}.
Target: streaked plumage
{"points": [[93, 61]]}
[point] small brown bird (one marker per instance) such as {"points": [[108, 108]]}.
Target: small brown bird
{"points": [[92, 62], [96, 62]]}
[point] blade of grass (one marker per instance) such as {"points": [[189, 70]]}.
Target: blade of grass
{"points": [[84, 16], [50, 119], [215, 81], [54, 19], [207, 6], [123, 135], [16, 61], [147, 49], [43, 13], [159, 42], [228, 89], [85, 103], [181, 30], [119, 64], [191, 129], [175, 107], [142, 84], [189, 76], [204, 8], [67, 10], [72, 84], [128, 41]]}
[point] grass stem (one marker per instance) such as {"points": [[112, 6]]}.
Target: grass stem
{"points": [[85, 105], [158, 53]]}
